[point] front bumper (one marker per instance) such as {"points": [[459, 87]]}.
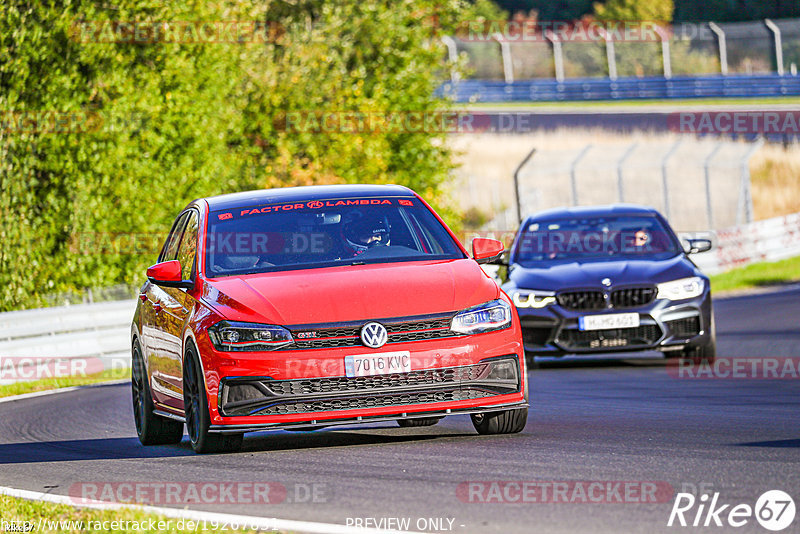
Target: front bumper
{"points": [[309, 388], [664, 325]]}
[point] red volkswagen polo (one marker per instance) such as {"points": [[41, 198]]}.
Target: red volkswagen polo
{"points": [[315, 306]]}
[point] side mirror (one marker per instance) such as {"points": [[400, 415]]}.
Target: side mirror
{"points": [[168, 274], [697, 245], [486, 250]]}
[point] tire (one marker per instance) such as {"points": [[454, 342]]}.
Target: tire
{"points": [[151, 428], [198, 420], [505, 422], [420, 421]]}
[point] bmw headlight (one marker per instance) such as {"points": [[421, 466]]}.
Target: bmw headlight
{"points": [[489, 316], [532, 298], [231, 336], [685, 288]]}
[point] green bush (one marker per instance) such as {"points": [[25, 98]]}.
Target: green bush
{"points": [[161, 123]]}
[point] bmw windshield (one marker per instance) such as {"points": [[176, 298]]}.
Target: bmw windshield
{"points": [[324, 233], [594, 238]]}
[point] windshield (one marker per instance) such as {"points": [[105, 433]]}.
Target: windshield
{"points": [[577, 239], [324, 233]]}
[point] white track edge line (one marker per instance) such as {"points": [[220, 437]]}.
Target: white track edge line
{"points": [[261, 523], [47, 392]]}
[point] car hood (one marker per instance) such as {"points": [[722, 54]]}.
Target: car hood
{"points": [[351, 293], [588, 274]]}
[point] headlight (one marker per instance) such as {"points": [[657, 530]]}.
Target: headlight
{"points": [[532, 298], [685, 288], [492, 315], [230, 336]]}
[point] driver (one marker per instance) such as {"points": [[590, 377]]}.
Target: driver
{"points": [[366, 231]]}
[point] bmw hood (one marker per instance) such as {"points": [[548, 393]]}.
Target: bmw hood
{"points": [[559, 276], [352, 293]]}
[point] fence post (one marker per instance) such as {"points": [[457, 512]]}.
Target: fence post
{"points": [[558, 54], [665, 176], [611, 56], [776, 32], [723, 47], [452, 52], [505, 51], [516, 183], [666, 60], [745, 196], [572, 177], [620, 177], [707, 168]]}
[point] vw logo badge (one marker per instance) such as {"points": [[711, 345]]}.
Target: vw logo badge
{"points": [[374, 335], [606, 281]]}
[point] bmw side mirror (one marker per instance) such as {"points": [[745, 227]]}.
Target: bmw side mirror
{"points": [[485, 250], [693, 246], [168, 274]]}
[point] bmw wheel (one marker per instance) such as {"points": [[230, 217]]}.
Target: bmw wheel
{"points": [[198, 420], [151, 429]]}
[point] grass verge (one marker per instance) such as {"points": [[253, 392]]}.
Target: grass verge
{"points": [[37, 516], [758, 275], [18, 388]]}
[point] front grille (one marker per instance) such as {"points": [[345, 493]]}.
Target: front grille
{"points": [[633, 297], [265, 396], [451, 375], [688, 327], [371, 402], [582, 300], [643, 335], [399, 331]]}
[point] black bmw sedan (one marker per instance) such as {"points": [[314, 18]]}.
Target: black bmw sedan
{"points": [[606, 279]]}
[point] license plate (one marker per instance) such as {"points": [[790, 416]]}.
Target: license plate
{"points": [[384, 363], [609, 321]]}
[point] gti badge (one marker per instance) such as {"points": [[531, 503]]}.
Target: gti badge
{"points": [[374, 335], [606, 281]]}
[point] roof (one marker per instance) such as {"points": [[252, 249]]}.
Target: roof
{"points": [[304, 193], [593, 211]]}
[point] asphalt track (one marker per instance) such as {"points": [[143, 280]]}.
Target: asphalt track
{"points": [[629, 420]]}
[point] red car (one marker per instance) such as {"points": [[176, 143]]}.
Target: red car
{"points": [[306, 307]]}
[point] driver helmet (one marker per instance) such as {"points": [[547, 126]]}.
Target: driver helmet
{"points": [[364, 231]]}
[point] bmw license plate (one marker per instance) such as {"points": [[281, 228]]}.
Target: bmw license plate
{"points": [[384, 363], [608, 321]]}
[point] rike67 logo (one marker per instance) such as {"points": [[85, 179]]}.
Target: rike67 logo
{"points": [[774, 510]]}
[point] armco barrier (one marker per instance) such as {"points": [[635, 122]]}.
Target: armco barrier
{"points": [[768, 240], [631, 88], [97, 333]]}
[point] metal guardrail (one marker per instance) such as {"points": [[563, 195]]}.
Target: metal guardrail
{"points": [[632, 88], [89, 337]]}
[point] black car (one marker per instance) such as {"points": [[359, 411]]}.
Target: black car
{"points": [[609, 279]]}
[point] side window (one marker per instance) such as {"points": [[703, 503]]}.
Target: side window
{"points": [[188, 247], [170, 250]]}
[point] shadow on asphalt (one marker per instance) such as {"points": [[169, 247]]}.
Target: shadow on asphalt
{"points": [[123, 448], [778, 443], [597, 363]]}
